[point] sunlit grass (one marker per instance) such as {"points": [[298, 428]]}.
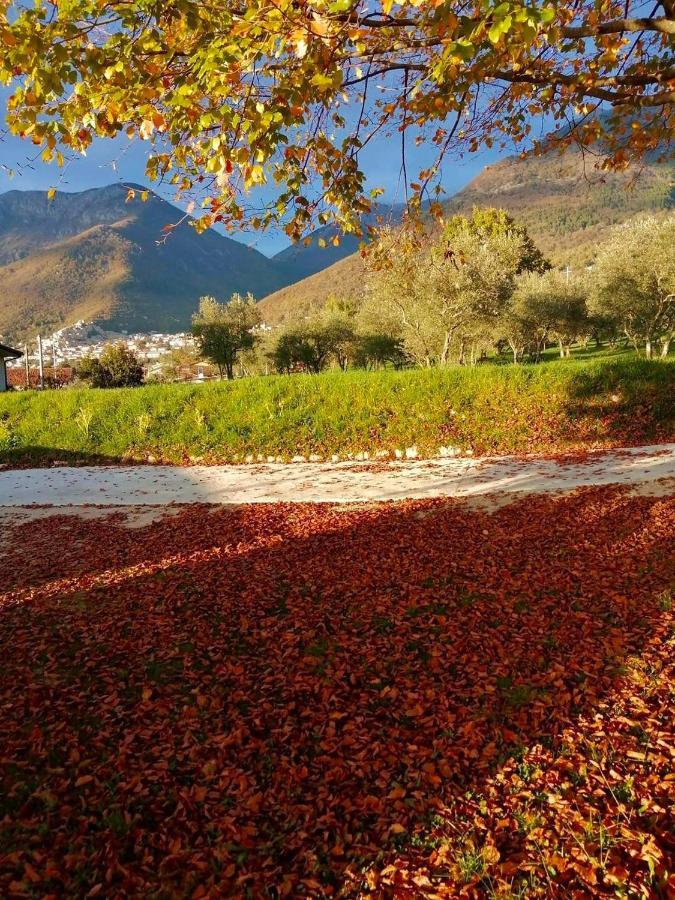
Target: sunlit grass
{"points": [[488, 408]]}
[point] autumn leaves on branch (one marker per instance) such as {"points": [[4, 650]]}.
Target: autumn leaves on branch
{"points": [[288, 93]]}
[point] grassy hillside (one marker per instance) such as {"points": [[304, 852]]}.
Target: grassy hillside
{"points": [[78, 278], [343, 279], [489, 409], [568, 207]]}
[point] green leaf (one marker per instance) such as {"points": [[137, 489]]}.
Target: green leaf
{"points": [[494, 33]]}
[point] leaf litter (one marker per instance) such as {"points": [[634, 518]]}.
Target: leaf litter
{"points": [[411, 699]]}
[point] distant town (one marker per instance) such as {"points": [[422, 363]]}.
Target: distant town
{"points": [[67, 347]]}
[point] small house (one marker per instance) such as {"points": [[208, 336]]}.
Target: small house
{"points": [[5, 354]]}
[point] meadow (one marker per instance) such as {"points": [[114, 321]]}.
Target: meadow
{"points": [[559, 406]]}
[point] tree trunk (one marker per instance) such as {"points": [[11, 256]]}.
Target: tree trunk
{"points": [[561, 349], [665, 347], [648, 348], [446, 349]]}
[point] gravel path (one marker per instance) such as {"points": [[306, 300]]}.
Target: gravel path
{"points": [[649, 469]]}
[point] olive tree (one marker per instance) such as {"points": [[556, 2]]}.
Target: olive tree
{"points": [[223, 330], [546, 305], [634, 282], [116, 367], [445, 290]]}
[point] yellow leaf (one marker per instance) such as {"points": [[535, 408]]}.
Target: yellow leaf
{"points": [[51, 193], [256, 175], [299, 41]]}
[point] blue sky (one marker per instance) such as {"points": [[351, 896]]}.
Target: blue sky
{"points": [[123, 160]]}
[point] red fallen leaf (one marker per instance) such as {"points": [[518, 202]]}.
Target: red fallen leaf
{"points": [[30, 873], [84, 779], [397, 828]]}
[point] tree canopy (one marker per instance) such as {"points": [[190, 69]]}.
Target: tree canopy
{"points": [[445, 291], [224, 330], [635, 281], [117, 367], [234, 95]]}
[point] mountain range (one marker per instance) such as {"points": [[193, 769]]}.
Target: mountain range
{"points": [[92, 255]]}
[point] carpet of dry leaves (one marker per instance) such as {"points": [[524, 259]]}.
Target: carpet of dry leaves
{"points": [[398, 700]]}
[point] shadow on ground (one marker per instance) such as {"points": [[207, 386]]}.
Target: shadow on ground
{"points": [[291, 699]]}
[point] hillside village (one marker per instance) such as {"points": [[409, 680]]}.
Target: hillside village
{"points": [[65, 349]]}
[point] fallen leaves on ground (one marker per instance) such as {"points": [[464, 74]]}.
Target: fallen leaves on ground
{"points": [[409, 700]]}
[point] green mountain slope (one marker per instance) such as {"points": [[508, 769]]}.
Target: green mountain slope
{"points": [[567, 205], [93, 255], [342, 279], [302, 261]]}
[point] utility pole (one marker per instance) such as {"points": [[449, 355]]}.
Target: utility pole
{"points": [[27, 365], [41, 362]]}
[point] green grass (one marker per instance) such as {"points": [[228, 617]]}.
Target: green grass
{"points": [[490, 408]]}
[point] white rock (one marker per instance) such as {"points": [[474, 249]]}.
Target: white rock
{"points": [[260, 458], [360, 457], [335, 458], [411, 452], [469, 452], [152, 459], [298, 459], [249, 458], [271, 459], [314, 457], [398, 454], [444, 451], [382, 454]]}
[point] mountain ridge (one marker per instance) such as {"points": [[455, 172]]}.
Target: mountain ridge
{"points": [[92, 251], [568, 211], [92, 255]]}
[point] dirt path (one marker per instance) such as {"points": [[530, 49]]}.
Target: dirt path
{"points": [[490, 480]]}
